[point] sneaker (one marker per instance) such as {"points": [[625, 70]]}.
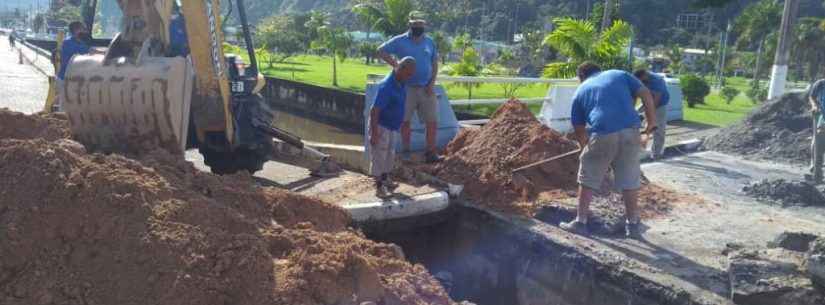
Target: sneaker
{"points": [[432, 157], [576, 227], [633, 230]]}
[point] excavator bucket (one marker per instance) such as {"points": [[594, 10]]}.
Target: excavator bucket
{"points": [[115, 105]]}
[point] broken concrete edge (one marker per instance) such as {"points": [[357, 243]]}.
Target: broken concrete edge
{"points": [[566, 249], [399, 208]]}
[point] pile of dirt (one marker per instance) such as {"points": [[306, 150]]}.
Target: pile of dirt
{"points": [[786, 193], [17, 125], [84, 228], [779, 130], [483, 159]]}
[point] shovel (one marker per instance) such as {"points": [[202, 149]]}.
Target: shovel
{"points": [[521, 182]]}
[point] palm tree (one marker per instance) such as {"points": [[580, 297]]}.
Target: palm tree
{"points": [[580, 41], [391, 18], [333, 40], [810, 41], [756, 22]]}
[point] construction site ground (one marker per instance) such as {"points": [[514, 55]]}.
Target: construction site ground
{"points": [[683, 249]]}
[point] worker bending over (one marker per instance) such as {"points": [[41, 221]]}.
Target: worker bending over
{"points": [[658, 88], [607, 128], [386, 117], [817, 98]]}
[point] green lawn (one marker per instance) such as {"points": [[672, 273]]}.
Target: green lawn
{"points": [[352, 76], [717, 112]]}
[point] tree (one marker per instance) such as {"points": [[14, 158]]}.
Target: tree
{"points": [[367, 50], [579, 41], [729, 93], [335, 42], [810, 42], [282, 37], [498, 69], [695, 89], [674, 54], [469, 65], [754, 25], [391, 18], [442, 43], [462, 42]]}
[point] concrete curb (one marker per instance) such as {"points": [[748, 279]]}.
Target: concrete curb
{"points": [[31, 61], [419, 205]]}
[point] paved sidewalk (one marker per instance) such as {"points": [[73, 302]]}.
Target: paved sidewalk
{"points": [[22, 87]]}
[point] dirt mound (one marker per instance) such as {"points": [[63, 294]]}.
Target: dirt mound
{"points": [[483, 159], [95, 229], [779, 130], [787, 193], [16, 125]]}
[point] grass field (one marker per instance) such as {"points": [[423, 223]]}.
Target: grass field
{"points": [[352, 76]]}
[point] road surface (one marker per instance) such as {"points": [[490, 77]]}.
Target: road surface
{"points": [[22, 87]]}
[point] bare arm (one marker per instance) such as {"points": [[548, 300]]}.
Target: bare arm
{"points": [[374, 133], [581, 135], [388, 58], [657, 98], [650, 108]]}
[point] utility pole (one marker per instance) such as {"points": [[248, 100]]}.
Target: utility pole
{"points": [[608, 13], [779, 74], [723, 54]]}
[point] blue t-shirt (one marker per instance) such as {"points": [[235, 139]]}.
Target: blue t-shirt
{"points": [[818, 94], [390, 99], [71, 47], [605, 102], [658, 85], [179, 43], [424, 52]]}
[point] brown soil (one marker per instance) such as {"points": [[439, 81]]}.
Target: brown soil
{"points": [[95, 229], [16, 125], [483, 159]]}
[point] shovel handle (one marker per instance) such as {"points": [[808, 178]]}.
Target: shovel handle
{"points": [[545, 161]]}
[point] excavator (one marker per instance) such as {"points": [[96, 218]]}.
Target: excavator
{"points": [[142, 92]]}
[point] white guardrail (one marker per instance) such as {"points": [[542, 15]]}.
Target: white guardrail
{"points": [[372, 78]]}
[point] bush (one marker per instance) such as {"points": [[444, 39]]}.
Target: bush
{"points": [[695, 89], [757, 94], [730, 93]]}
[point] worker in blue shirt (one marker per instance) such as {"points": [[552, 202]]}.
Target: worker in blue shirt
{"points": [[77, 43], [658, 88], [178, 40], [386, 117], [607, 128], [421, 97], [816, 96]]}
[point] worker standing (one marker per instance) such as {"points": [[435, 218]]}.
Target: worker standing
{"points": [[658, 88], [11, 40], [386, 117], [607, 128], [77, 43], [817, 98], [421, 97]]}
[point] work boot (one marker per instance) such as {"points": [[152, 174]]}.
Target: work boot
{"points": [[388, 183], [432, 157], [633, 230], [575, 227], [382, 192]]}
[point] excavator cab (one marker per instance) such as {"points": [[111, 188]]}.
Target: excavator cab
{"points": [[165, 82]]}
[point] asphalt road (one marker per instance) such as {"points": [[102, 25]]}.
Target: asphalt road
{"points": [[22, 87]]}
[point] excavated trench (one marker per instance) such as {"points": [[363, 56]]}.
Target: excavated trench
{"points": [[491, 259]]}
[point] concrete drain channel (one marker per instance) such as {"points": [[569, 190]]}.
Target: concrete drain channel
{"points": [[491, 259]]}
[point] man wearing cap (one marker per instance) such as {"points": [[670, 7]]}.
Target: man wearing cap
{"points": [[421, 97], [658, 88]]}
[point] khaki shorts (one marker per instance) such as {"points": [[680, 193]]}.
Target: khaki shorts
{"points": [[621, 151], [382, 154], [419, 101]]}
